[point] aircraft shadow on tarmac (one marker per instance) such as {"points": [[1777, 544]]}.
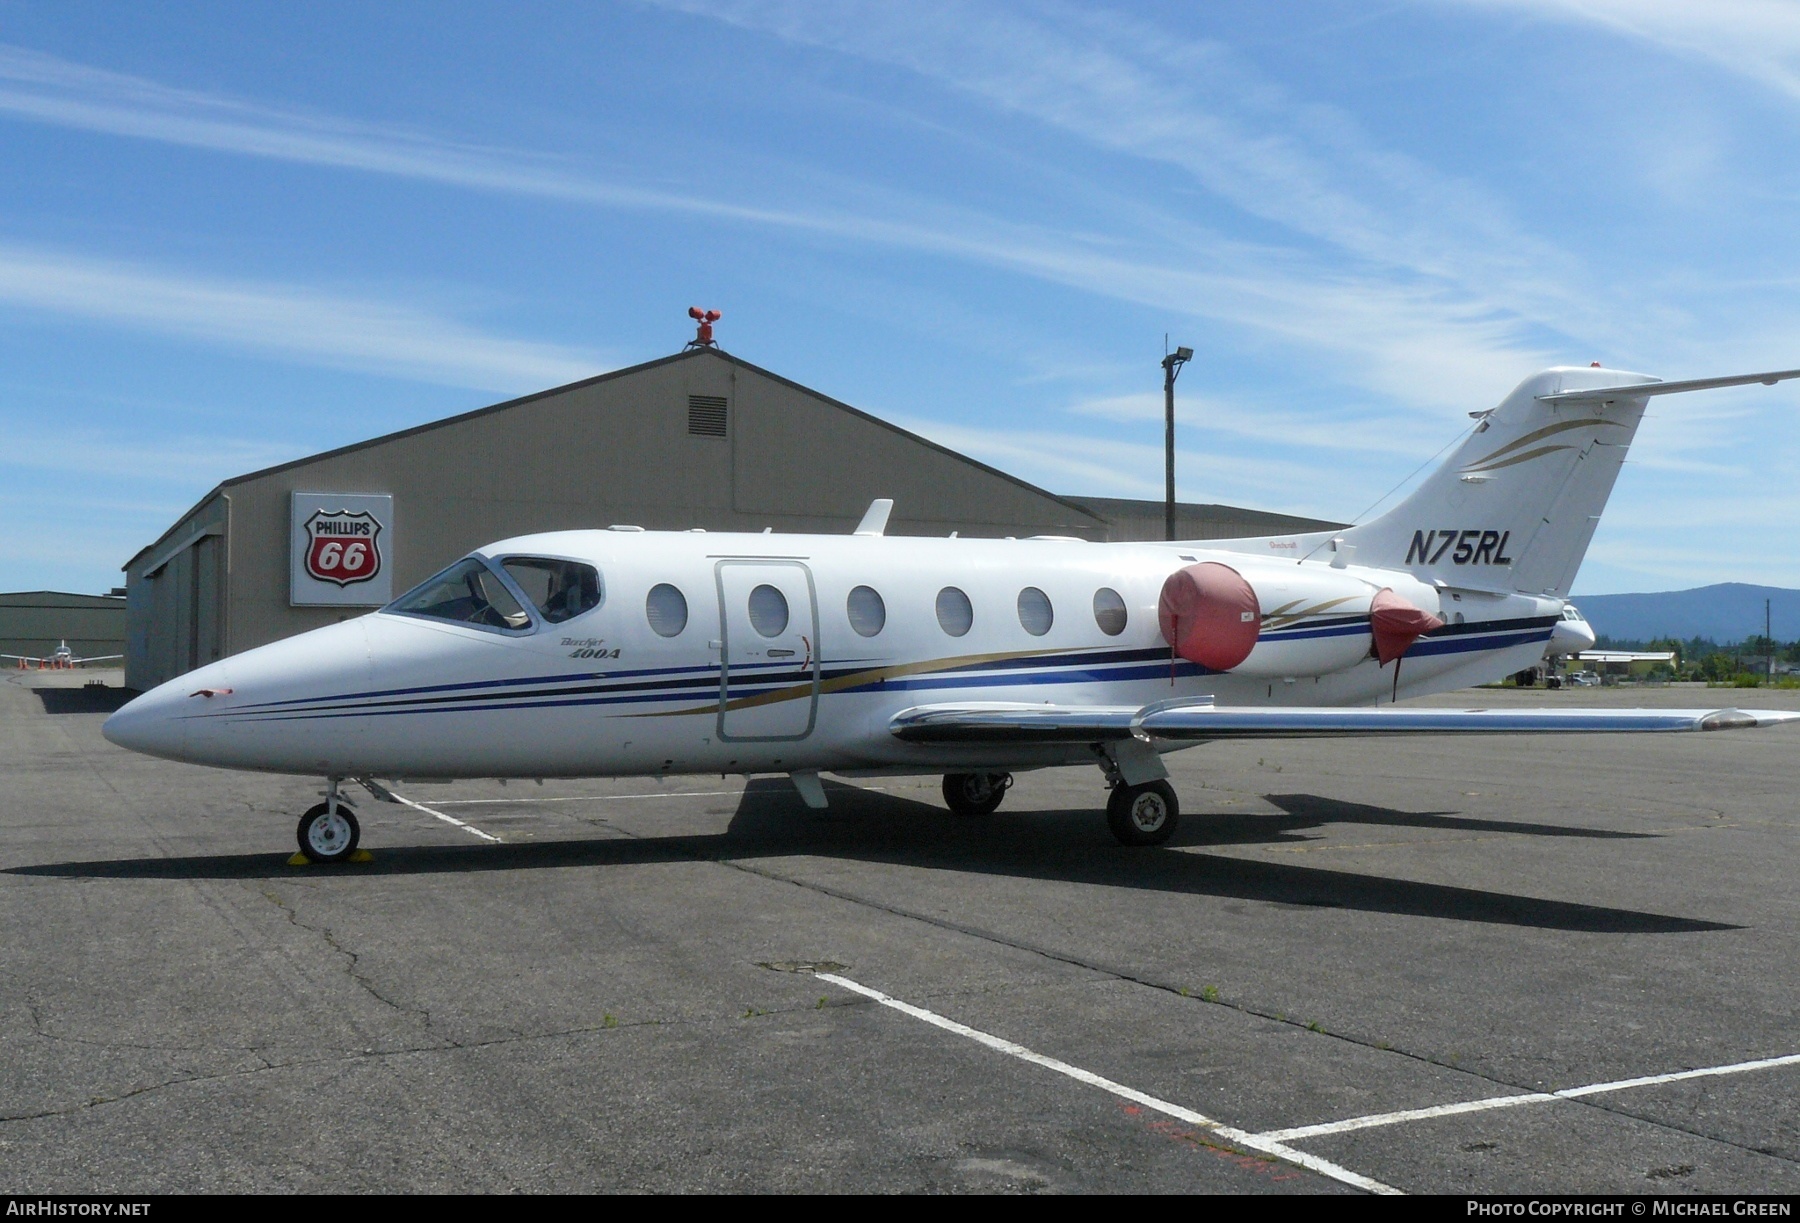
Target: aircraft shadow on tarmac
{"points": [[1069, 846], [98, 699]]}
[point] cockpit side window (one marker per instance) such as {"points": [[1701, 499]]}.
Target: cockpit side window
{"points": [[561, 589], [468, 592]]}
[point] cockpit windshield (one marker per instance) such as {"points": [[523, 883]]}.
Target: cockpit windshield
{"points": [[468, 592], [561, 589]]}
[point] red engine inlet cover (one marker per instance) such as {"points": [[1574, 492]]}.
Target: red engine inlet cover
{"points": [[1397, 624], [1209, 613]]}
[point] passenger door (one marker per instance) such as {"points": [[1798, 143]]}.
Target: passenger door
{"points": [[769, 645]]}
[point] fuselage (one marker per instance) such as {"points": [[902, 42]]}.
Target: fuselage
{"points": [[777, 653]]}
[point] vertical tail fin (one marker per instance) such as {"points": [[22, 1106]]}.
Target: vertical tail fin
{"points": [[1515, 507]]}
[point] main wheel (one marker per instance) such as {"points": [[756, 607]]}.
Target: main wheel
{"points": [[975, 793], [325, 837], [1143, 815]]}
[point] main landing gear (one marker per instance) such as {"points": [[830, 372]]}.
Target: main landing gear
{"points": [[1143, 815], [328, 833], [975, 793]]}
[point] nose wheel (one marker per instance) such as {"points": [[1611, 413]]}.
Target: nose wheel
{"points": [[327, 835], [975, 793], [1143, 815]]}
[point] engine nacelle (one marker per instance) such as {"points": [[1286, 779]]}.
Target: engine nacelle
{"points": [[1286, 619]]}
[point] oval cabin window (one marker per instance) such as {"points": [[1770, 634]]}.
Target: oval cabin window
{"points": [[868, 614], [1035, 613], [667, 610], [1109, 611], [956, 615], [768, 611]]}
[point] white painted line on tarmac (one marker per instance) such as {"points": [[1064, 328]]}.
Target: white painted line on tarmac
{"points": [[1410, 1114], [1767, 1063], [448, 819], [1532, 1097], [1255, 1142]]}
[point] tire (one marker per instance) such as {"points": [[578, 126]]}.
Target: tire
{"points": [[975, 793], [326, 840], [1143, 815]]}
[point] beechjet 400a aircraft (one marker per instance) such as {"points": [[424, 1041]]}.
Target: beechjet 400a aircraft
{"points": [[627, 652]]}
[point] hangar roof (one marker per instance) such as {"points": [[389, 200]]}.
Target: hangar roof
{"points": [[693, 354], [58, 599]]}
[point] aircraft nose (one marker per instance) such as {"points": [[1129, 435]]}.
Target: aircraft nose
{"points": [[152, 723]]}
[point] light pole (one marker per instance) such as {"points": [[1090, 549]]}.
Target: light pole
{"points": [[1171, 364]]}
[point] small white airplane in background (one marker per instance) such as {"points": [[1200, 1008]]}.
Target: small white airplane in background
{"points": [[60, 659], [624, 652]]}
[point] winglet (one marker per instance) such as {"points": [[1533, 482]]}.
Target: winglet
{"points": [[874, 522]]}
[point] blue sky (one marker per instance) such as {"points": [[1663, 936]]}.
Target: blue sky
{"points": [[234, 234]]}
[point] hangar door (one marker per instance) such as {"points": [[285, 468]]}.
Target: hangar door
{"points": [[768, 637]]}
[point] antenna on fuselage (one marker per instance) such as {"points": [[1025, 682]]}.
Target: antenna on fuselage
{"points": [[875, 519]]}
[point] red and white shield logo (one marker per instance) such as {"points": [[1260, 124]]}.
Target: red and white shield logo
{"points": [[342, 547]]}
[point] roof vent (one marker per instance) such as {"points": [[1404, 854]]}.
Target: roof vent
{"points": [[706, 415]]}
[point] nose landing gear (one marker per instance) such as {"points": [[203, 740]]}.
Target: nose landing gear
{"points": [[328, 833]]}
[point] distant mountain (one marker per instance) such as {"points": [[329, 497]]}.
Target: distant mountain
{"points": [[1730, 611]]}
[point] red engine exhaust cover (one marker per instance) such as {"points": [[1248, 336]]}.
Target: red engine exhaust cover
{"points": [[1397, 624], [1209, 613]]}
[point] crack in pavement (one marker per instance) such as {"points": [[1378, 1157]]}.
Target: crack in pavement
{"points": [[388, 1055], [352, 960]]}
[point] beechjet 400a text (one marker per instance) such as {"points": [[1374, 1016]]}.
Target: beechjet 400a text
{"points": [[625, 652]]}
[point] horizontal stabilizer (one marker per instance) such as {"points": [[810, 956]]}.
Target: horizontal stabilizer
{"points": [[1639, 390], [1025, 724]]}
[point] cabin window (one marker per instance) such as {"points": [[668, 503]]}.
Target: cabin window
{"points": [[768, 611], [868, 614], [666, 609], [954, 612], [1035, 613], [1109, 611], [560, 589], [468, 592]]}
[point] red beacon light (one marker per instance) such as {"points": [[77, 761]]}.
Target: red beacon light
{"points": [[703, 335]]}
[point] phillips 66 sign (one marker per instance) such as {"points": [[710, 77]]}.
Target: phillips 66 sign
{"points": [[341, 549]]}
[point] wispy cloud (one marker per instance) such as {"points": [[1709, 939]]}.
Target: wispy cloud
{"points": [[1758, 39], [1083, 464], [1210, 414], [1200, 109], [1412, 336], [37, 447], [290, 320]]}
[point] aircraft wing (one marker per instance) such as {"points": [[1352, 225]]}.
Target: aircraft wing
{"points": [[1025, 724], [97, 658]]}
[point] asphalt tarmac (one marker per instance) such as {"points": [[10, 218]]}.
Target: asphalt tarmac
{"points": [[623, 991]]}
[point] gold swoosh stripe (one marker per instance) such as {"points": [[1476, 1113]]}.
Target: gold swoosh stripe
{"points": [[1538, 435], [852, 680], [1316, 609], [1517, 458]]}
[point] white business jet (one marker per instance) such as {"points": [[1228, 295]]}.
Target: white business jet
{"points": [[627, 652]]}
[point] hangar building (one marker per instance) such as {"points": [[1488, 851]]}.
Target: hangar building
{"points": [[699, 439], [35, 622]]}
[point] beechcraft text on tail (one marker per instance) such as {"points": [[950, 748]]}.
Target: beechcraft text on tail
{"points": [[626, 652]]}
